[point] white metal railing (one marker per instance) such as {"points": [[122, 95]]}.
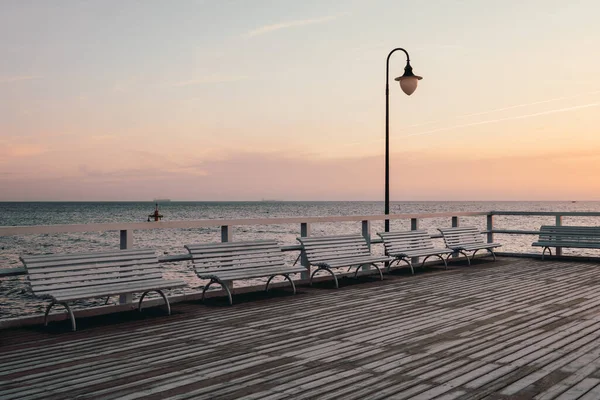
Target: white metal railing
{"points": [[127, 229]]}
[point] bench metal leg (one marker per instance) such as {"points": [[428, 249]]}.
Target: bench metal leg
{"points": [[286, 276], [444, 260], [73, 325], [381, 273], [71, 315], [412, 270], [399, 260], [162, 295], [466, 255], [373, 264], [107, 299], [438, 256], [493, 254], [223, 285], [324, 269], [544, 251], [473, 255], [48, 312], [461, 252]]}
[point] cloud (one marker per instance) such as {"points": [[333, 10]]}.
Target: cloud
{"points": [[11, 79], [12, 150], [294, 177], [211, 79], [290, 24]]}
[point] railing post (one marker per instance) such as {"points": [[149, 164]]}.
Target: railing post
{"points": [[126, 237], [366, 232], [304, 232], [559, 223], [414, 226], [226, 234], [455, 224], [490, 228]]}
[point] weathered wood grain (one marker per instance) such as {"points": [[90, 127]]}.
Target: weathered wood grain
{"points": [[515, 329]]}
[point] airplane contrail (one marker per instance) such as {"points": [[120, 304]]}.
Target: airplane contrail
{"points": [[490, 121], [511, 107]]}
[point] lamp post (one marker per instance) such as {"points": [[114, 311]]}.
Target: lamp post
{"points": [[408, 84]]}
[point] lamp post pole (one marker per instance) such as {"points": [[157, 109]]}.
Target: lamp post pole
{"points": [[408, 83]]}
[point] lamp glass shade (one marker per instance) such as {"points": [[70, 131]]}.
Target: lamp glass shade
{"points": [[408, 84]]}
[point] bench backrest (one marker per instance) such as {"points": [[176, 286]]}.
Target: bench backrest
{"points": [[400, 242], [323, 248], [461, 235], [215, 257], [573, 234], [56, 272]]}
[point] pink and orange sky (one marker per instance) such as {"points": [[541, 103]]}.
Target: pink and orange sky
{"points": [[281, 99]]}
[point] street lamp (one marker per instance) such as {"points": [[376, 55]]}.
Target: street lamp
{"points": [[408, 84]]}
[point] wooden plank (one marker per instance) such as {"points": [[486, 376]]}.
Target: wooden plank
{"points": [[515, 329]]}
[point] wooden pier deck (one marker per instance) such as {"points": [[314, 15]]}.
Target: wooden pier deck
{"points": [[513, 329]]}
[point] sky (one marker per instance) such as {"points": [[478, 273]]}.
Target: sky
{"points": [[285, 99]]}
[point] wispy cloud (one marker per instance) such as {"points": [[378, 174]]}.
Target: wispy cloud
{"points": [[491, 121], [211, 79], [290, 24], [11, 79]]}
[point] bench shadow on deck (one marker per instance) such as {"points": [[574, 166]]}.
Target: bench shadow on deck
{"points": [[511, 329]]}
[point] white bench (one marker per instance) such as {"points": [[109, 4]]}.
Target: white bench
{"points": [[466, 239], [407, 244], [225, 262], [327, 252], [63, 278], [583, 237]]}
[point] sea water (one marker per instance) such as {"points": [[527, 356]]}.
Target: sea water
{"points": [[15, 299]]}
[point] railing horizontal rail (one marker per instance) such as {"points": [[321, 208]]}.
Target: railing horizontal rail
{"points": [[515, 232], [208, 223], [548, 213]]}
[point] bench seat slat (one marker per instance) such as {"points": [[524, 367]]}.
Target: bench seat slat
{"points": [[112, 290], [476, 246], [148, 259], [419, 253], [230, 246], [31, 258], [586, 245], [237, 267], [241, 260], [85, 273], [91, 276], [351, 261], [248, 274], [343, 257], [126, 287], [41, 285], [328, 255]]}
